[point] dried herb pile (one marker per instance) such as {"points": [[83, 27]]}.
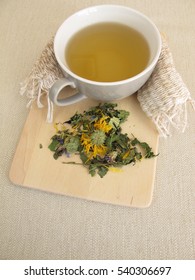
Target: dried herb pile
{"points": [[96, 136]]}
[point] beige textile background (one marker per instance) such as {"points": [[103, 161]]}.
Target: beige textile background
{"points": [[38, 225]]}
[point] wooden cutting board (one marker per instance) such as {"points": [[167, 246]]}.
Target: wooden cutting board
{"points": [[35, 167]]}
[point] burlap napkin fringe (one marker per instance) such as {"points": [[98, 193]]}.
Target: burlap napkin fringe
{"points": [[163, 98], [42, 76]]}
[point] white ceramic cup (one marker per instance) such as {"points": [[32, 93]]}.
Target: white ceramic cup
{"points": [[102, 91]]}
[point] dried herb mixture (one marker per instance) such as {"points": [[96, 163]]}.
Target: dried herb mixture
{"points": [[96, 136]]}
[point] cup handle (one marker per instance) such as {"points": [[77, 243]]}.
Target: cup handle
{"points": [[57, 87]]}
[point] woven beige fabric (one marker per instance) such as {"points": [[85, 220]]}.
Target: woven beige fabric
{"points": [[38, 225], [44, 73], [164, 97]]}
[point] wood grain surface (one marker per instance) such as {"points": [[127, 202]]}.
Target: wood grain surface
{"points": [[35, 167]]}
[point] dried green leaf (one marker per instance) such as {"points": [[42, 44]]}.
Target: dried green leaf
{"points": [[102, 171], [54, 145], [72, 145], [123, 115], [96, 135]]}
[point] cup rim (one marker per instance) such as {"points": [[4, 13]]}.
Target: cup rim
{"points": [[120, 82]]}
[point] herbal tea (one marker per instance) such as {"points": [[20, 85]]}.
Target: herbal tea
{"points": [[107, 52]]}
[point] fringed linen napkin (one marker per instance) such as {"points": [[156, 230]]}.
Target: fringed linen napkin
{"points": [[163, 98], [43, 75]]}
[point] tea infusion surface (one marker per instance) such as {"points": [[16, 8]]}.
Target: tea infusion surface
{"points": [[107, 52]]}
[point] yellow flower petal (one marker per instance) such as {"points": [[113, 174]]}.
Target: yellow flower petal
{"points": [[115, 169], [101, 124]]}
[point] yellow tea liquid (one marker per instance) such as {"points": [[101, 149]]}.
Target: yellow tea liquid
{"points": [[107, 52]]}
